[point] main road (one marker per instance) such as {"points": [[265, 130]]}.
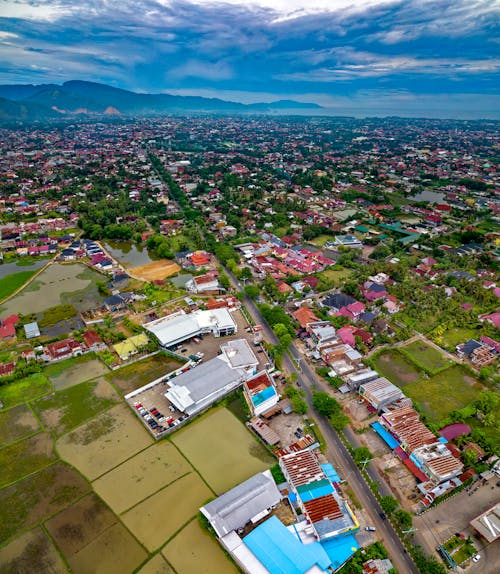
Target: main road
{"points": [[336, 451]]}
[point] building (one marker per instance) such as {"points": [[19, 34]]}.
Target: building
{"points": [[196, 389], [203, 284], [131, 346], [488, 524], [179, 327], [380, 393], [8, 327], [248, 502], [93, 341], [378, 566], [63, 350], [260, 393], [31, 330]]}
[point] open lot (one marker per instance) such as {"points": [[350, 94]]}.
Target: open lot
{"points": [[335, 274], [223, 451], [454, 337], [451, 389], [38, 496], [93, 540], [160, 516], [104, 442], [141, 476], [154, 270], [16, 423], [24, 457], [58, 284], [426, 356], [25, 390], [193, 550], [32, 552], [75, 370], [69, 408], [397, 368], [134, 376]]}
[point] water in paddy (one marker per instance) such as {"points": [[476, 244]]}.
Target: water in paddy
{"points": [[129, 254], [9, 268], [430, 196]]}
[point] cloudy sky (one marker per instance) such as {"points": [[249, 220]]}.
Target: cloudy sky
{"points": [[408, 57]]}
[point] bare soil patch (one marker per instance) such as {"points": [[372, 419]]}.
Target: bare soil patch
{"points": [[16, 423], [154, 270]]}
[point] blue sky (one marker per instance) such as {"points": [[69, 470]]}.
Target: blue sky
{"points": [[369, 57]]}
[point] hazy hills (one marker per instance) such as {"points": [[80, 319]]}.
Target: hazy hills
{"points": [[78, 98]]}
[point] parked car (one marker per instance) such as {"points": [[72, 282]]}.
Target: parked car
{"points": [[370, 528], [476, 558]]}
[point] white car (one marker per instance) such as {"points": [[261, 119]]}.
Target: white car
{"points": [[476, 558]]}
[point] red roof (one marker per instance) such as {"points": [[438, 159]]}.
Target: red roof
{"points": [[304, 316], [91, 338], [6, 369], [323, 508], [10, 320], [7, 331]]}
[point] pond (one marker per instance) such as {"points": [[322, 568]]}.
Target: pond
{"points": [[129, 254], [14, 267], [430, 196]]}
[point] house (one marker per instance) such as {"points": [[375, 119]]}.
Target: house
{"points": [[478, 353], [7, 369], [115, 303], [260, 393], [131, 346], [304, 316], [380, 393], [62, 350], [337, 301], [494, 319], [31, 330], [8, 327], [378, 566], [93, 341], [372, 291], [203, 284]]}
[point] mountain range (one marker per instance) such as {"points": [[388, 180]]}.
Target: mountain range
{"points": [[27, 102]]}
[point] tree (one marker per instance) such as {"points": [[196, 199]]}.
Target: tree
{"points": [[361, 454], [339, 420], [325, 404], [469, 457], [404, 518], [224, 281], [252, 291], [246, 274], [388, 504], [487, 402], [299, 405]]}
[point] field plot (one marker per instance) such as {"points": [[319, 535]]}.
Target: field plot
{"points": [[137, 375], [11, 283], [16, 423], [336, 274], [67, 409], [193, 550], [154, 270], [93, 540], [104, 442], [222, 450], [31, 553], [457, 335], [397, 368], [141, 476], [35, 497], [160, 516], [58, 284], [157, 565], [426, 356], [24, 457], [74, 371], [451, 389], [25, 390]]}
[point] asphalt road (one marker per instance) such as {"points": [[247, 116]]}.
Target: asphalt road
{"points": [[336, 451]]}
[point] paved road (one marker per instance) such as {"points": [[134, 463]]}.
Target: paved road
{"points": [[336, 451]]}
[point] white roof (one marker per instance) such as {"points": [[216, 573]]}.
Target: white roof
{"points": [[239, 353]]}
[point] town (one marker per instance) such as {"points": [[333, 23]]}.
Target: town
{"points": [[250, 344]]}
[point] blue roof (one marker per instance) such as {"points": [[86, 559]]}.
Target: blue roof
{"points": [[443, 439], [340, 548], [330, 472], [265, 394], [281, 552], [384, 435], [314, 490]]}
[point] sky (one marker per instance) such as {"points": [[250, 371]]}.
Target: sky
{"points": [[436, 58]]}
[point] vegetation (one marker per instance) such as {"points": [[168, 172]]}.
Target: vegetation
{"points": [[11, 283], [24, 390], [56, 314]]}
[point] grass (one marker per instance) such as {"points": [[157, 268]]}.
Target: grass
{"points": [[57, 369], [16, 423], [397, 368], [75, 370], [425, 356], [454, 337], [24, 457], [71, 407], [321, 240], [335, 274], [24, 390], [449, 390], [11, 283], [57, 314]]}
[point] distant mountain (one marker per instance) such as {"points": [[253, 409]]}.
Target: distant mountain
{"points": [[11, 111], [89, 98]]}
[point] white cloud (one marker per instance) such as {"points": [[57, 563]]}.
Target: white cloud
{"points": [[32, 11], [199, 69]]}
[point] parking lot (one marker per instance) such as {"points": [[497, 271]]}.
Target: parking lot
{"points": [[206, 347], [453, 516]]}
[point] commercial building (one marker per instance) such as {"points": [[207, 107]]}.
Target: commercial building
{"points": [[488, 524], [260, 393], [380, 393], [178, 327], [198, 388]]}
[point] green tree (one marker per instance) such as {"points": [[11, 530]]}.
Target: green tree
{"points": [[404, 519], [388, 504], [252, 291], [299, 405], [339, 420], [224, 281], [361, 454], [325, 404], [469, 457]]}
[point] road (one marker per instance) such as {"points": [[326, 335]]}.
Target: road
{"points": [[336, 451]]}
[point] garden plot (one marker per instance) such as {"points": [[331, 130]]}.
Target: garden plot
{"points": [[16, 423], [193, 550], [74, 371], [222, 450], [160, 516], [24, 457], [35, 497], [426, 356], [58, 284], [69, 408], [104, 442], [93, 540], [141, 476], [31, 553]]}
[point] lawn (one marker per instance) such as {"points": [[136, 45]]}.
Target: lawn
{"points": [[454, 337], [24, 457], [71, 407], [449, 390], [11, 283], [223, 451], [139, 374], [16, 423], [335, 274], [24, 390], [397, 368], [321, 240], [425, 356]]}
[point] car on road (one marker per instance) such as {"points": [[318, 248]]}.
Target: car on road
{"points": [[476, 558], [370, 528], [382, 515]]}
